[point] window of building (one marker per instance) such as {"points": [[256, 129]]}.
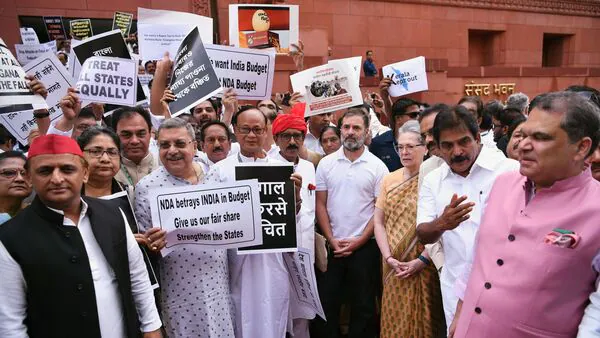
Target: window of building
{"points": [[555, 50], [486, 48]]}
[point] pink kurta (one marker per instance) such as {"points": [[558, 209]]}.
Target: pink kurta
{"points": [[520, 286]]}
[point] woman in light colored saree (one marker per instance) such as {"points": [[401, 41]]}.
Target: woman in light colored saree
{"points": [[411, 303]]}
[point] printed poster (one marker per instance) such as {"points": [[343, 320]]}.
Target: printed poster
{"points": [[194, 79], [122, 21], [216, 216], [55, 28], [305, 294], [108, 80], [248, 72], [109, 44], [81, 29], [161, 31], [328, 88], [407, 76], [264, 26], [28, 53], [277, 206], [29, 36], [55, 77], [13, 86]]}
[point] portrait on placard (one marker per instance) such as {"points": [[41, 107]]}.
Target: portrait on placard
{"points": [[264, 26]]}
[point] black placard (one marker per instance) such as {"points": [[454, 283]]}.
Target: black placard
{"points": [[279, 226], [55, 28]]}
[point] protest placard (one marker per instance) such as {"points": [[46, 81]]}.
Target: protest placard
{"points": [[407, 76], [277, 205], [328, 87], [264, 26], [305, 295], [161, 31], [123, 22], [109, 44], [13, 86], [217, 216], [48, 69], [108, 80], [55, 28], [81, 29], [28, 53], [194, 79], [354, 62], [29, 36], [249, 72], [124, 203]]}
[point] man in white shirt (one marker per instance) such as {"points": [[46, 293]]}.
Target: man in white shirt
{"points": [[289, 131], [348, 183], [453, 196], [475, 106], [70, 266], [215, 142], [316, 123]]}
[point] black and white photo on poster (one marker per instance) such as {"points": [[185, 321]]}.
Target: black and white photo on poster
{"points": [[277, 205], [193, 79], [109, 44]]}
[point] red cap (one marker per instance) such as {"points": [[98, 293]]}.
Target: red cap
{"points": [[53, 145], [288, 121]]}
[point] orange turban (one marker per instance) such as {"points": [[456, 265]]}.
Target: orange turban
{"points": [[288, 121], [53, 145], [298, 109]]}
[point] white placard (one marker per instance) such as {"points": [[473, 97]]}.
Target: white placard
{"points": [[13, 86], [29, 36], [28, 53], [327, 88], [249, 72], [161, 30], [354, 62], [55, 77], [108, 80], [305, 300], [213, 216], [407, 76], [280, 22]]}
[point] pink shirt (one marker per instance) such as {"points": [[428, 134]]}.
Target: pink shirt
{"points": [[519, 285]]}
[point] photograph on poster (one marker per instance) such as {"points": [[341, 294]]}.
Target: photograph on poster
{"points": [[264, 26]]}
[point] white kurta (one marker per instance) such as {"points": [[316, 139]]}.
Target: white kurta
{"points": [[259, 283]]}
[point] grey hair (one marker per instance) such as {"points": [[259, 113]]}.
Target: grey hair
{"points": [[518, 101], [581, 118], [411, 126], [176, 123]]}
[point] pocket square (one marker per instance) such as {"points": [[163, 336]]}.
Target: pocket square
{"points": [[562, 238]]}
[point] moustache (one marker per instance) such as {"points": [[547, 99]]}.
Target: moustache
{"points": [[217, 149], [292, 147], [457, 159], [595, 166], [174, 158]]}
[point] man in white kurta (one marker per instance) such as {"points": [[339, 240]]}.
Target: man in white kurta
{"points": [[259, 283], [289, 132]]}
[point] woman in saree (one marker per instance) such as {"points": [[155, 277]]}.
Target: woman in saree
{"points": [[411, 303]]}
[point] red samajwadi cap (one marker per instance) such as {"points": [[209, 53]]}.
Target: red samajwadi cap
{"points": [[53, 145], [288, 121]]}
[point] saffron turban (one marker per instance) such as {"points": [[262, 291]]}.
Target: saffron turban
{"points": [[53, 145], [288, 121], [298, 109]]}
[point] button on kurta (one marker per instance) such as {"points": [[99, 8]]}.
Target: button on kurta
{"points": [[68, 234], [79, 287], [500, 262], [511, 237], [74, 259], [487, 285], [477, 310]]}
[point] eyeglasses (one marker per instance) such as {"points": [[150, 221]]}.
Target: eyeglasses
{"points": [[12, 173], [99, 152], [287, 137], [255, 130], [408, 147], [180, 144]]}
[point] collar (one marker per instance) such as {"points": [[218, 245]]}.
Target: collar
{"points": [[66, 221], [577, 181], [487, 159], [340, 156], [147, 160], [197, 169], [244, 159]]}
